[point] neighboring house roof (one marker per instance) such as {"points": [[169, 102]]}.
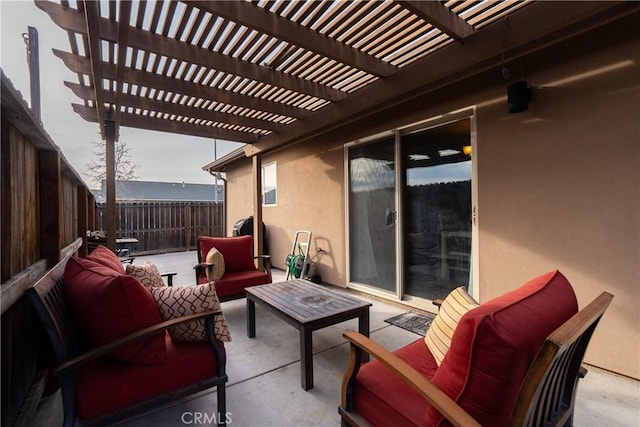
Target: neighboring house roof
{"points": [[148, 190], [219, 165]]}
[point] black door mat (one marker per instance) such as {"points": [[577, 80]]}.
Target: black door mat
{"points": [[414, 322]]}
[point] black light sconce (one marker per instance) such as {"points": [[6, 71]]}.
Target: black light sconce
{"points": [[518, 96]]}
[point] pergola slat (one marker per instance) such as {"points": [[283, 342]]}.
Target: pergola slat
{"points": [[257, 18], [70, 20], [79, 64]]}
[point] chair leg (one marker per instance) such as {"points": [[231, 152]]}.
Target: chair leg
{"points": [[222, 405], [67, 387]]}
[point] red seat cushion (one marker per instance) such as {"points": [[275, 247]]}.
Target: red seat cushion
{"points": [[235, 283], [106, 305], [104, 385], [237, 251], [384, 399], [103, 255], [494, 345]]}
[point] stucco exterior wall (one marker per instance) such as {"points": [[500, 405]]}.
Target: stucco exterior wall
{"points": [[310, 197], [557, 184], [239, 188], [558, 189]]}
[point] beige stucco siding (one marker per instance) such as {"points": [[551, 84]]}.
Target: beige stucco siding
{"points": [[310, 198], [239, 187], [558, 189], [557, 185]]}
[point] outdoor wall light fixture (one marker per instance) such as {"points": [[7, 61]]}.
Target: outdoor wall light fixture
{"points": [[467, 150], [518, 96]]}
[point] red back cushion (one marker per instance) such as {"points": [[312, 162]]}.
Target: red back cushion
{"points": [[494, 345], [237, 251], [103, 255], [106, 306]]}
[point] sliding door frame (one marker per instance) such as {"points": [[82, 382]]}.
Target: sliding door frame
{"points": [[399, 294]]}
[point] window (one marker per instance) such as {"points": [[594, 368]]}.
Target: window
{"points": [[269, 185]]}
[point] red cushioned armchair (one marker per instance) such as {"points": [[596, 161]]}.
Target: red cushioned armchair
{"points": [[240, 270], [513, 361]]}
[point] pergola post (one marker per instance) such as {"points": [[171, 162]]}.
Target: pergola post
{"points": [[110, 157], [258, 240]]}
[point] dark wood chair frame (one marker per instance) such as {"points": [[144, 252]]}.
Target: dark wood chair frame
{"points": [[201, 268], [69, 353], [546, 397]]}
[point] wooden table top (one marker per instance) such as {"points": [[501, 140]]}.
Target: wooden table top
{"points": [[305, 301]]}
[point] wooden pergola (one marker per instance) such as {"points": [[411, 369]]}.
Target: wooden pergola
{"points": [[270, 73]]}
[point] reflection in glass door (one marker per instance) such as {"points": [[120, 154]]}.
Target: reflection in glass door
{"points": [[437, 209], [372, 189]]}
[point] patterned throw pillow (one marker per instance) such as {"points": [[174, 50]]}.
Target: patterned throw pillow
{"points": [[178, 301], [438, 337], [147, 274], [216, 271]]}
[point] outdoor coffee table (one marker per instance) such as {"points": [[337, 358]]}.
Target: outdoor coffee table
{"points": [[307, 307]]}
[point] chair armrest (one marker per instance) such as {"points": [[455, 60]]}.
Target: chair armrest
{"points": [[582, 372], [201, 269], [266, 262], [136, 336], [436, 397], [169, 276]]}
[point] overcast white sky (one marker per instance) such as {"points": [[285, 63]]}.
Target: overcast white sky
{"points": [[160, 156]]}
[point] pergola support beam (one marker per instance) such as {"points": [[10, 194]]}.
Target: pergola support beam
{"points": [[72, 20], [438, 15], [152, 104], [171, 126], [110, 156]]}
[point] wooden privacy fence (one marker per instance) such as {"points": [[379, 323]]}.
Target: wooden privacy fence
{"points": [[164, 226]]}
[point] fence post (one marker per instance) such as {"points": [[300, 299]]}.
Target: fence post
{"points": [[187, 225]]}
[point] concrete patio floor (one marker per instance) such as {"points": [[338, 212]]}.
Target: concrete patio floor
{"points": [[264, 372]]}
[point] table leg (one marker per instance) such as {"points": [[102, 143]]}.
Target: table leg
{"points": [[251, 318], [306, 358], [363, 328]]}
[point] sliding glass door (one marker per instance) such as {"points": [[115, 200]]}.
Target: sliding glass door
{"points": [[436, 209], [410, 212], [372, 213]]}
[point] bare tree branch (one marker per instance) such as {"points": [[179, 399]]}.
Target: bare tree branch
{"points": [[126, 169]]}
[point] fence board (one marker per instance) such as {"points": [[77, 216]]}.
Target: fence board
{"points": [[164, 226]]}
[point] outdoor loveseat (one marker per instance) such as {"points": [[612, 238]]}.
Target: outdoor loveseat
{"points": [[514, 360], [113, 355]]}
